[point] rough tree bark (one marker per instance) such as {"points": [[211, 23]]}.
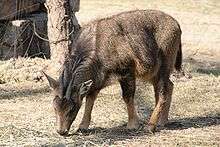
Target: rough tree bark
{"points": [[62, 24]]}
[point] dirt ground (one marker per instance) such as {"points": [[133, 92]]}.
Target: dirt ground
{"points": [[27, 117]]}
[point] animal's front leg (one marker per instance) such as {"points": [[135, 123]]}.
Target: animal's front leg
{"points": [[132, 115], [88, 110], [128, 89]]}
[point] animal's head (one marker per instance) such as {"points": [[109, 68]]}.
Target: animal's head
{"points": [[67, 101]]}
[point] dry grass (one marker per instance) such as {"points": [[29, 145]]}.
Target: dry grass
{"points": [[27, 117]]}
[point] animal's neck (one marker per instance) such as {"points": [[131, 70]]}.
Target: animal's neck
{"points": [[82, 68], [91, 70], [82, 74]]}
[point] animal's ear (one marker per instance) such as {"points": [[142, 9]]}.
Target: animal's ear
{"points": [[52, 82], [85, 87]]}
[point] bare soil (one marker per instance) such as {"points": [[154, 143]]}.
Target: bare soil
{"points": [[26, 113]]}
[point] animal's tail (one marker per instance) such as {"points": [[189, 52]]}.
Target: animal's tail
{"points": [[178, 63]]}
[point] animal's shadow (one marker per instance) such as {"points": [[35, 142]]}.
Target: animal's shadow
{"points": [[194, 122], [120, 133], [14, 93], [204, 67]]}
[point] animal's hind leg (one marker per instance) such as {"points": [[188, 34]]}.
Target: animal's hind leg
{"points": [[163, 93], [128, 90], [165, 113], [163, 118]]}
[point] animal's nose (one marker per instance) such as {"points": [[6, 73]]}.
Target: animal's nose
{"points": [[62, 132]]}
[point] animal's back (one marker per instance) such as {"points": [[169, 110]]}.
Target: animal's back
{"points": [[136, 36]]}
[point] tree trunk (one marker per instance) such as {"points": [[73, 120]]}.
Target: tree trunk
{"points": [[62, 24]]}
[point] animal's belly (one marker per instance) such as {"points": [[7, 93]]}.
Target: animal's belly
{"points": [[147, 72]]}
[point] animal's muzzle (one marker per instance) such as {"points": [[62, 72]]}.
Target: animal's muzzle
{"points": [[63, 132]]}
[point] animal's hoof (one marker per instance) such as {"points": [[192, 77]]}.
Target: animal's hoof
{"points": [[133, 126], [151, 129], [84, 126]]}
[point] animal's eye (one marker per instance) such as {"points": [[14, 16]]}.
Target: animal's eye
{"points": [[56, 101]]}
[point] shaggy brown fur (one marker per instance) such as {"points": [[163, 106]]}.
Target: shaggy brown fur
{"points": [[137, 44]]}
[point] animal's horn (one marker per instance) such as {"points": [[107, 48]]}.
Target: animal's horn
{"points": [[61, 81], [69, 90]]}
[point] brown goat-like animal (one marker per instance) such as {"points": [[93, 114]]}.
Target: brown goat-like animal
{"points": [[137, 44]]}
